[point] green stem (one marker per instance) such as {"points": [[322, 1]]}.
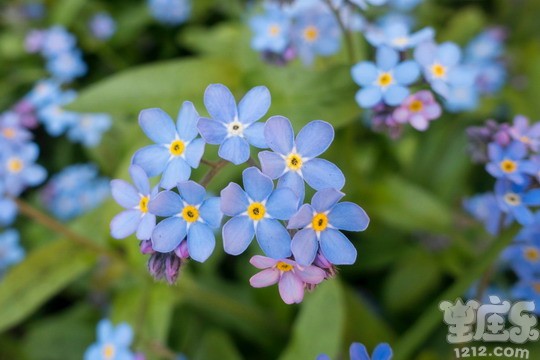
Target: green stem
{"points": [[432, 318], [349, 43]]}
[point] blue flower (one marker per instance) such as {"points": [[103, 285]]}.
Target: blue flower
{"points": [[8, 206], [397, 36], [57, 41], [18, 168], [189, 216], [524, 258], [234, 128], [295, 160], [11, 251], [11, 129], [485, 208], [384, 81], [55, 119], [170, 12], [89, 128], [514, 199], [490, 77], [528, 290], [508, 162], [102, 26], [177, 149], [271, 31], [358, 351], [485, 47], [136, 217], [461, 97], [67, 66], [44, 93], [112, 344], [316, 33], [320, 223], [256, 212]]}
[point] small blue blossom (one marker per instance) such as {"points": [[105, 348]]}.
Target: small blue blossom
{"points": [[271, 31], [170, 12], [11, 251], [528, 135], [134, 199], [8, 206], [320, 223], [524, 258], [461, 97], [256, 212], [509, 162], [485, 208], [295, 160], [486, 46], [316, 33], [386, 80], [44, 93], [397, 36], [515, 199], [112, 342], [67, 66], [189, 216], [102, 26], [234, 128], [177, 148], [11, 129], [55, 119], [18, 168], [57, 41], [89, 129], [358, 351]]}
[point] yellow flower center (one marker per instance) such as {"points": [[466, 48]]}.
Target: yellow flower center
{"points": [[283, 266], [190, 213], [532, 254], [525, 139], [401, 41], [9, 133], [274, 30], [108, 351], [416, 106], [508, 166], [143, 204], [319, 222], [235, 128], [256, 211], [294, 161], [512, 199], [536, 287], [311, 33], [177, 148], [15, 165], [438, 70], [385, 79]]}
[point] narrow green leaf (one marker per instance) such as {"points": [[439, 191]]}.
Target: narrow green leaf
{"points": [[217, 345]]}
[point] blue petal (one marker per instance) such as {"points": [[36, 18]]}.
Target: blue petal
{"points": [[257, 185], [424, 53], [201, 241], [34, 175], [152, 159], [125, 223], [273, 239], [358, 351], [234, 200], [523, 215], [177, 170], [279, 134], [294, 182], [220, 103], [325, 199], [321, 174], [140, 179], [516, 150], [194, 152], [186, 122], [124, 194], [166, 203], [426, 34], [157, 125], [282, 204], [237, 235], [254, 105], [369, 96], [364, 73], [105, 330], [272, 164], [337, 248], [304, 246], [532, 197], [314, 138], [146, 226], [212, 131], [192, 192], [234, 149], [382, 352], [449, 54], [9, 211], [211, 212], [406, 72], [123, 335], [387, 58], [348, 216], [302, 218], [319, 357], [395, 95], [168, 234], [254, 135]]}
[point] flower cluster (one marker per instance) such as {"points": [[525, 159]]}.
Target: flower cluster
{"points": [[170, 12], [177, 220], [358, 351]]}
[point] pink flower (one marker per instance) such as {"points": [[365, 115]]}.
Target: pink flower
{"points": [[418, 110], [292, 278]]}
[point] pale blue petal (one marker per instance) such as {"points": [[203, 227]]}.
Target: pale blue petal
{"points": [[358, 351], [34, 175], [166, 203], [424, 53], [124, 194], [314, 138], [194, 152], [294, 182], [254, 135], [304, 246], [337, 248], [140, 179], [123, 335], [449, 54], [302, 218], [238, 233], [272, 164], [282, 204], [234, 200], [192, 192], [257, 185], [201, 241], [382, 352], [177, 170], [364, 73], [211, 213], [168, 234], [321, 174], [348, 216], [9, 211], [105, 330], [157, 125], [273, 239], [152, 159], [387, 58], [254, 105], [406, 72], [125, 223], [186, 122], [369, 96], [146, 226], [325, 199], [234, 149], [395, 95], [532, 197], [220, 103], [279, 134], [212, 131]]}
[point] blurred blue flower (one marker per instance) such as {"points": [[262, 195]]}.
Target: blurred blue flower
{"points": [[67, 66], [485, 208], [256, 212], [189, 216], [55, 119], [271, 30], [102, 26], [524, 258], [170, 12], [45, 92], [384, 81], [320, 223], [134, 199], [234, 128], [295, 160], [11, 251], [397, 36], [515, 199], [490, 77], [89, 129], [363, 4], [316, 33], [358, 351], [461, 97], [18, 168], [11, 129], [112, 342], [57, 41], [528, 290], [486, 46], [525, 133], [509, 162], [177, 148]]}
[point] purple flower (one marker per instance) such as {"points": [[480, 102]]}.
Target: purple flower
{"points": [[177, 148], [320, 223], [256, 212], [528, 135], [515, 199], [508, 162], [135, 199], [418, 109], [234, 128], [291, 277], [295, 160]]}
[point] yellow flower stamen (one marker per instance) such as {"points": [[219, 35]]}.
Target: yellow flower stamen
{"points": [[15, 165], [319, 222], [274, 30], [532, 254], [294, 161], [283, 266], [143, 204], [438, 70], [311, 33], [385, 79], [256, 211], [416, 106], [109, 351], [508, 166], [177, 148], [190, 213]]}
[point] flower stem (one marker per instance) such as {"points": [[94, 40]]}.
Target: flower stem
{"points": [[349, 43], [216, 168]]}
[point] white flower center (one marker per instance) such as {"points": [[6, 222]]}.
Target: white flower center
{"points": [[235, 128]]}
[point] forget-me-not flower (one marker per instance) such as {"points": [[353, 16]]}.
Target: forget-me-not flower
{"points": [[89, 129], [170, 12], [11, 251], [316, 33], [509, 162], [18, 167], [398, 36], [514, 199], [112, 342], [270, 30], [358, 351], [102, 26]]}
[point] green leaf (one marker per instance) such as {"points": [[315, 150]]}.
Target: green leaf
{"points": [[320, 325], [464, 25], [66, 11], [45, 272], [217, 345]]}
